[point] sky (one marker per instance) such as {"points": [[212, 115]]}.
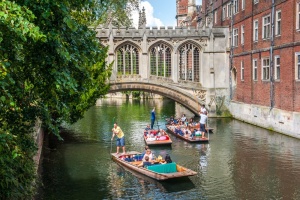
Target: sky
{"points": [[158, 12]]}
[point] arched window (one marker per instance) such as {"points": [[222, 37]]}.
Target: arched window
{"points": [[160, 60], [127, 60], [189, 62]]}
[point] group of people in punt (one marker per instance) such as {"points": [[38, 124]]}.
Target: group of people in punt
{"points": [[186, 127]]}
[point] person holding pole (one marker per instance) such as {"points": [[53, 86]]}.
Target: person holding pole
{"points": [[152, 117], [120, 137]]}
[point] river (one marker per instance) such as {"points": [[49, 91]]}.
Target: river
{"points": [[241, 161]]}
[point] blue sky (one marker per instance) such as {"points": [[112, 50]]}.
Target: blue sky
{"points": [[159, 12]]}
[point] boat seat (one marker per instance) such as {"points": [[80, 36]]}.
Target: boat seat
{"points": [[163, 168]]}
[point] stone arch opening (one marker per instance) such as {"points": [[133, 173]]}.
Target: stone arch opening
{"points": [[160, 59], [189, 62], [127, 59]]}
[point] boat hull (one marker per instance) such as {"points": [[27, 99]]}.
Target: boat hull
{"points": [[158, 176]]}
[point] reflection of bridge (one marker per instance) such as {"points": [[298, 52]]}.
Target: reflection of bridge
{"points": [[185, 64]]}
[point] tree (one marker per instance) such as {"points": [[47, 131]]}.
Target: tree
{"points": [[52, 68]]}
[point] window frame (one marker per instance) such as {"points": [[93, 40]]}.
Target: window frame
{"points": [[224, 13], [243, 4], [277, 67], [255, 29], [255, 1], [242, 71], [229, 10], [297, 66], [235, 9], [298, 16], [278, 21], [242, 34], [254, 68], [235, 36], [266, 27], [265, 76]]}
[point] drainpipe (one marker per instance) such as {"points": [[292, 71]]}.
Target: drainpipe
{"points": [[231, 50], [271, 57]]}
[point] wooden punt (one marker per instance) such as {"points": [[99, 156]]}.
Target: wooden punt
{"points": [[188, 139], [158, 142], [180, 170]]}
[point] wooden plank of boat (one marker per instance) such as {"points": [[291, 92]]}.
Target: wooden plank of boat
{"points": [[182, 171], [168, 141], [188, 139]]}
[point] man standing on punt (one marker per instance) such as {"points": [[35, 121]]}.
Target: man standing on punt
{"points": [[152, 117], [120, 137]]}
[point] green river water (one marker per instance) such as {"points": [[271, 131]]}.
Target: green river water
{"points": [[241, 161]]}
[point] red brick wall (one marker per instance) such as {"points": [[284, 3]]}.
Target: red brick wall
{"points": [[287, 89]]}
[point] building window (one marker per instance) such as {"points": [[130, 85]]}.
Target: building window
{"points": [[255, 30], [127, 60], [242, 70], [255, 1], [224, 13], [189, 62], [160, 60], [254, 66], [229, 10], [243, 4], [235, 6], [277, 67], [298, 16], [278, 23], [298, 66], [242, 34], [265, 69], [266, 32], [235, 37], [215, 16]]}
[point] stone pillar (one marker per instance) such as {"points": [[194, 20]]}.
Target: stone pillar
{"points": [[144, 62]]}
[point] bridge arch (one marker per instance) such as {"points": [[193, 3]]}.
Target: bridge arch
{"points": [[185, 98]]}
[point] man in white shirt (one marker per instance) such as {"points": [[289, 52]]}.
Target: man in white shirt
{"points": [[203, 120]]}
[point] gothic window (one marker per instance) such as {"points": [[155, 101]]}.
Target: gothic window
{"points": [[127, 60], [189, 62], [160, 60]]}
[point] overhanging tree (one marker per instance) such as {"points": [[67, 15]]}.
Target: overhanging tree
{"points": [[53, 68]]}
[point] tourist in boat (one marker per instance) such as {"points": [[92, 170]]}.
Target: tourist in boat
{"points": [[145, 163], [152, 117], [178, 130], [120, 137], [203, 109], [183, 118], [186, 135], [203, 120], [147, 130], [149, 154], [168, 159]]}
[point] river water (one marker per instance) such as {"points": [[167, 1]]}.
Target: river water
{"points": [[241, 161]]}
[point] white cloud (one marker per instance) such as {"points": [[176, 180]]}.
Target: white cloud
{"points": [[150, 19]]}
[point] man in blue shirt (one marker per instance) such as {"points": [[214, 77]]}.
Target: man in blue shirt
{"points": [[152, 117]]}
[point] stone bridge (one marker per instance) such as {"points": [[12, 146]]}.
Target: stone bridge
{"points": [[187, 65]]}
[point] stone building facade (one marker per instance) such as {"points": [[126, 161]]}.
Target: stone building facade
{"points": [[264, 60], [195, 60]]}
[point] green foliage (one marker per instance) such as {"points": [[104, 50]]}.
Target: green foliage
{"points": [[52, 68]]}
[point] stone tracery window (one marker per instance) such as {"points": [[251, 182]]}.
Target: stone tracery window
{"points": [[160, 60], [189, 62], [127, 60]]}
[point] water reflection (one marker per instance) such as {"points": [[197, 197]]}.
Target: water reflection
{"points": [[240, 161]]}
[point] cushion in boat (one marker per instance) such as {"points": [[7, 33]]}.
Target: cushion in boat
{"points": [[163, 168]]}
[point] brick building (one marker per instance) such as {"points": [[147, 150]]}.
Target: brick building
{"points": [[264, 59], [186, 12]]}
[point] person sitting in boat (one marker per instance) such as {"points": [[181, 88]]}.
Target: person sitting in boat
{"points": [[129, 158], [145, 163], [149, 154], [193, 134], [168, 159], [186, 135], [178, 131], [183, 118]]}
